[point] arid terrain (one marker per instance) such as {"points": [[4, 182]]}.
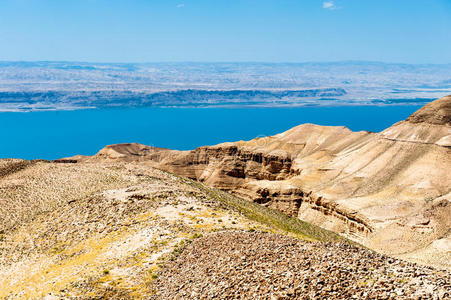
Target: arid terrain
{"points": [[97, 230], [124, 230], [279, 217], [389, 191], [263, 265]]}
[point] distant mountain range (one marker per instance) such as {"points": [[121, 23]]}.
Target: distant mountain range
{"points": [[49, 99], [73, 85]]}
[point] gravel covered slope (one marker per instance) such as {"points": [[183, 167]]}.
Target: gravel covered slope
{"points": [[251, 265]]}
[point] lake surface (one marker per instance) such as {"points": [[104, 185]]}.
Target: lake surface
{"points": [[56, 134]]}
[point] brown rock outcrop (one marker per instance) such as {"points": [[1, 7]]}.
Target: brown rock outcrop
{"points": [[437, 113]]}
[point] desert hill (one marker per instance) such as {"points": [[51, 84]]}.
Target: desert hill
{"points": [[124, 230], [388, 190], [104, 230]]}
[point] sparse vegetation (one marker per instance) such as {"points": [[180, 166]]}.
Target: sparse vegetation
{"points": [[197, 235], [270, 217], [107, 230]]}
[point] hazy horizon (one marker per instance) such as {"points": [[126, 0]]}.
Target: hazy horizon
{"points": [[350, 61]]}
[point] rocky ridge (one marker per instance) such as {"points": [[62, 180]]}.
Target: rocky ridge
{"points": [[437, 113]]}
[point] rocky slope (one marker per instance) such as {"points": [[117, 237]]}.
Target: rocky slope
{"points": [[388, 190], [103, 230], [98, 230], [243, 265]]}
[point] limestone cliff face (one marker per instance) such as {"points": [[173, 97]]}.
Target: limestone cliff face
{"points": [[215, 164], [389, 190]]}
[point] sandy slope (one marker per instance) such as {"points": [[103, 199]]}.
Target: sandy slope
{"points": [[97, 230], [124, 230]]}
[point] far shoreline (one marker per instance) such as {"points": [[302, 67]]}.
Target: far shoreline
{"points": [[238, 106]]}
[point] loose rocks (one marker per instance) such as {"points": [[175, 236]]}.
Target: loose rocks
{"points": [[245, 265]]}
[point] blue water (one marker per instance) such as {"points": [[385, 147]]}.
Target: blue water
{"points": [[56, 134]]}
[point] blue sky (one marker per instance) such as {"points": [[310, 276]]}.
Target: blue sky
{"points": [[409, 31]]}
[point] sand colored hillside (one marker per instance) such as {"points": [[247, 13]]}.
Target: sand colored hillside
{"points": [[97, 231], [105, 230], [388, 190], [124, 230]]}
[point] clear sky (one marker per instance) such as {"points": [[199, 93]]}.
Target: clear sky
{"points": [[410, 31]]}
